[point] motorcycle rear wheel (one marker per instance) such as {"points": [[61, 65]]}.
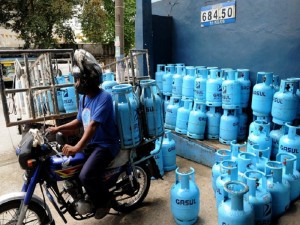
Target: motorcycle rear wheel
{"points": [[129, 202], [35, 213]]}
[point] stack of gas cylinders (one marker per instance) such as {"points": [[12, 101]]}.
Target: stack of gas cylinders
{"points": [[138, 112], [276, 113], [262, 176], [250, 182], [139, 115], [205, 102], [259, 178], [66, 97]]}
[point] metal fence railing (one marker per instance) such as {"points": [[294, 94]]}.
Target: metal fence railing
{"points": [[35, 85], [132, 68]]}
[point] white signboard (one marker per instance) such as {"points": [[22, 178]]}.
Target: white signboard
{"points": [[217, 14]]}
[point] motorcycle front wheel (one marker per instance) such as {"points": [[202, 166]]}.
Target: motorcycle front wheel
{"points": [[132, 198], [35, 213]]}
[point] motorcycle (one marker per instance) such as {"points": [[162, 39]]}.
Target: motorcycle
{"points": [[128, 178]]}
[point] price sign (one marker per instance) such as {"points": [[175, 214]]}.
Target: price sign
{"points": [[218, 14]]}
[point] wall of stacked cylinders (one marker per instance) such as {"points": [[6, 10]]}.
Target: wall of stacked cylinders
{"points": [[205, 103], [259, 177]]}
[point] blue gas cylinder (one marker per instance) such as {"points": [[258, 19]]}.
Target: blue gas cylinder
{"points": [[179, 64], [60, 101], [275, 135], [229, 126], [243, 78], [59, 93], [47, 99], [278, 187], [37, 98], [177, 81], [234, 209], [258, 196], [158, 156], [220, 156], [243, 125], [209, 68], [60, 80], [168, 80], [260, 135], [260, 76], [297, 86], [70, 78], [246, 161], [262, 156], [231, 91], [214, 89], [188, 83], [290, 173], [198, 68], [185, 197], [223, 73], [197, 121], [183, 114], [125, 109], [236, 148], [200, 85], [252, 125], [261, 150], [276, 83], [69, 99], [166, 99], [160, 71], [152, 113], [171, 113], [291, 143], [229, 171], [262, 96], [108, 82], [168, 151], [213, 123], [285, 103]]}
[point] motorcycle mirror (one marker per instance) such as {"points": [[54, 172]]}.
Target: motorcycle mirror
{"points": [[60, 138]]}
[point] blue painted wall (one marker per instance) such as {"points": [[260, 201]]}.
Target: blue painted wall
{"points": [[143, 34], [265, 36]]}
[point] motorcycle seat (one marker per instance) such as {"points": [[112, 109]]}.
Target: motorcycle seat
{"points": [[120, 160]]}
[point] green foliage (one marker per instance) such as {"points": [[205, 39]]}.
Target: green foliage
{"points": [[98, 22], [41, 22], [92, 23], [38, 22]]}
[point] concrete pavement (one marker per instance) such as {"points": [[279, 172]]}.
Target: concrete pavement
{"points": [[155, 208]]}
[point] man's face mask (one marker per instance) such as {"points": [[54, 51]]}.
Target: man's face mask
{"points": [[81, 86]]}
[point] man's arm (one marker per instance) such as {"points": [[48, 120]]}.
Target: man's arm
{"points": [[87, 135], [67, 129]]}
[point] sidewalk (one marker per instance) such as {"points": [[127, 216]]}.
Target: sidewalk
{"points": [[9, 140]]}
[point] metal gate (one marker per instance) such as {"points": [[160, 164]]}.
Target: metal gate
{"points": [[33, 96]]}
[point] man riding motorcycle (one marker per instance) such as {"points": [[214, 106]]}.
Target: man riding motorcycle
{"points": [[100, 135]]}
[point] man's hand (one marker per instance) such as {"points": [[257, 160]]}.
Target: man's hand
{"points": [[70, 150], [52, 130]]}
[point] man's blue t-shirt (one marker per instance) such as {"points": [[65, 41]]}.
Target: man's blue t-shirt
{"points": [[100, 109]]}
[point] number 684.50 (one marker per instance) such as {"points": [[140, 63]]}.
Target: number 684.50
{"points": [[217, 14]]}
